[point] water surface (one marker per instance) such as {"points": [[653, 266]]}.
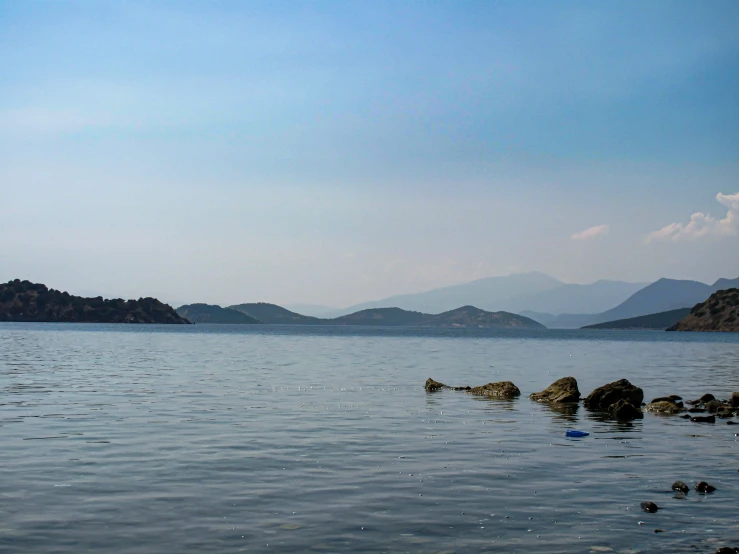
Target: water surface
{"points": [[322, 439]]}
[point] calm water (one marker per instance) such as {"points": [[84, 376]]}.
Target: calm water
{"points": [[229, 439]]}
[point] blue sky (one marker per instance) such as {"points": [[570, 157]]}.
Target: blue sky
{"points": [[335, 152]]}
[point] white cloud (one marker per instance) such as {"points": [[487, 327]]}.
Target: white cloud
{"points": [[591, 232], [703, 225]]}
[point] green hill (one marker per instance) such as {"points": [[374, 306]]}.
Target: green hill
{"points": [[661, 321], [273, 314], [26, 301], [207, 313], [466, 316]]}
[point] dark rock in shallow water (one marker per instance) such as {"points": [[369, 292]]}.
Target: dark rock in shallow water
{"points": [[703, 419], [712, 406], [685, 416], [432, 386], [563, 390], [666, 407], [625, 411], [725, 412], [727, 550], [735, 399], [679, 486], [731, 423], [704, 487], [706, 398], [603, 397], [650, 507], [502, 389], [697, 410]]}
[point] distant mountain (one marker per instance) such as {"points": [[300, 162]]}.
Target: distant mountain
{"points": [[466, 316], [207, 313], [661, 321], [661, 296], [719, 313], [26, 301], [274, 314], [574, 299], [489, 293], [313, 310]]}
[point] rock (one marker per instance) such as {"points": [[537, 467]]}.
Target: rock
{"points": [[603, 397], [696, 410], [735, 399], [712, 406], [706, 398], [704, 487], [650, 507], [727, 550], [502, 389], [703, 419], [659, 530], [561, 391], [667, 407], [679, 486], [432, 386], [685, 416], [675, 397], [725, 412], [731, 423], [625, 411]]}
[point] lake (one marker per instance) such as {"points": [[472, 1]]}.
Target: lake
{"points": [[162, 439]]}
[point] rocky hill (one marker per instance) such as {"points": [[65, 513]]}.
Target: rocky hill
{"points": [[466, 316], [274, 314], [26, 301], [719, 313], [207, 313]]}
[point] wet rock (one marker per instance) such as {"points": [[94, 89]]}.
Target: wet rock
{"points": [[696, 410], [703, 419], [667, 407], [712, 406], [731, 423], [704, 487], [650, 507], [561, 391], [735, 399], [725, 412], [602, 397], [502, 389], [727, 550], [432, 386], [706, 398], [625, 411], [685, 416], [675, 397], [679, 486]]}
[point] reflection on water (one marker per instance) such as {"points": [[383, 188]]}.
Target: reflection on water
{"points": [[204, 439]]}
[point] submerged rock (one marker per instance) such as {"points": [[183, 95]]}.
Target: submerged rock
{"points": [[703, 419], [502, 389], [727, 550], [706, 398], [650, 507], [712, 406], [735, 399], [432, 386], [679, 486], [704, 487], [666, 406], [561, 391]]}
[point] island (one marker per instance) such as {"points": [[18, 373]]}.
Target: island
{"points": [[719, 313], [659, 321], [24, 301], [209, 313]]}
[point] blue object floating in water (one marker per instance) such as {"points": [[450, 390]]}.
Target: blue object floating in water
{"points": [[572, 433]]}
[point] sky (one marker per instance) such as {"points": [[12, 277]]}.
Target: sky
{"points": [[338, 152]]}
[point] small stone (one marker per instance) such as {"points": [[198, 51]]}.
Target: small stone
{"points": [[703, 419], [659, 530], [679, 486], [704, 487], [650, 507]]}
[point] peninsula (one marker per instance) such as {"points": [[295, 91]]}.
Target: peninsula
{"points": [[719, 313], [34, 302]]}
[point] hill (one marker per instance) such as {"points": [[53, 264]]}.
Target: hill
{"points": [[273, 314], [660, 321], [26, 301], [719, 313], [466, 316], [207, 313]]}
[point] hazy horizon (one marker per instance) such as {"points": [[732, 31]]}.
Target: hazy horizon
{"points": [[328, 153]]}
